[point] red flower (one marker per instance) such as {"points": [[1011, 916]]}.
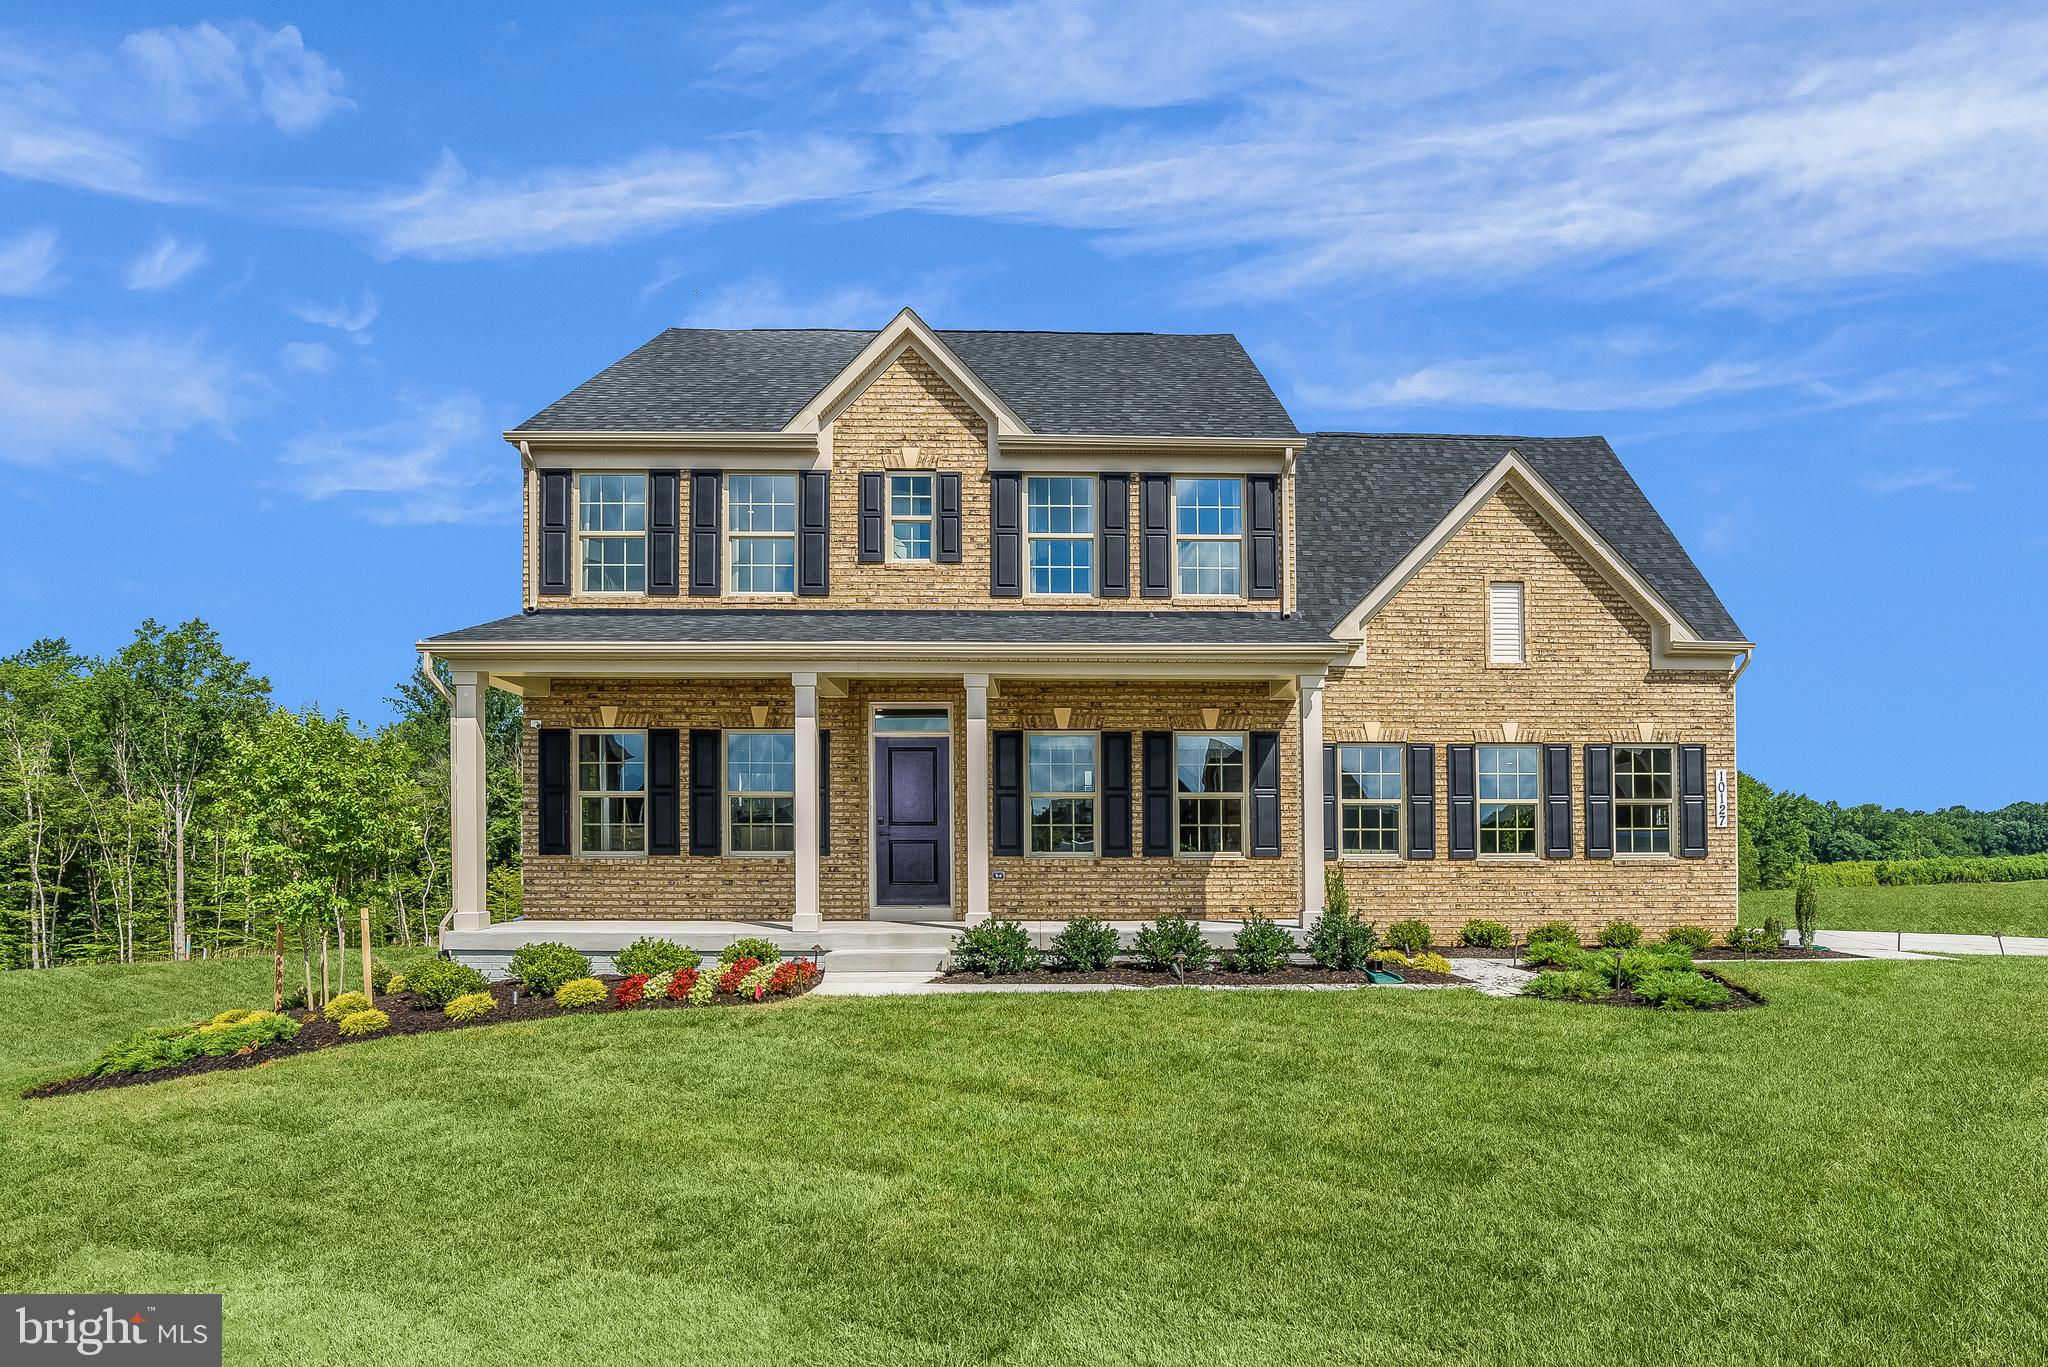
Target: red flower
{"points": [[631, 990], [730, 980], [792, 974], [680, 985]]}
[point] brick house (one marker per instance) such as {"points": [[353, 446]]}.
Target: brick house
{"points": [[827, 626]]}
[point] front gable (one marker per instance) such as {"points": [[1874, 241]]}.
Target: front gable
{"points": [[905, 336]]}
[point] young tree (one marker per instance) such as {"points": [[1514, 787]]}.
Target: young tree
{"points": [[39, 694]]}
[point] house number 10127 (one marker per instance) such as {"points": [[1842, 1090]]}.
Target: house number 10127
{"points": [[1720, 797]]}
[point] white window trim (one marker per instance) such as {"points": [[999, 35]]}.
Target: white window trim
{"points": [[1090, 536], [733, 538], [1616, 802], [576, 479], [1399, 803], [1173, 522], [577, 792], [890, 519], [1094, 796], [1534, 854], [726, 793], [1242, 794], [1521, 644]]}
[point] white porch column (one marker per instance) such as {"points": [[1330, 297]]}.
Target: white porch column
{"points": [[1310, 688], [806, 917], [466, 801], [978, 797]]}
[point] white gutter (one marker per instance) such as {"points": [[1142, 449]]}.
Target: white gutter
{"points": [[427, 671]]}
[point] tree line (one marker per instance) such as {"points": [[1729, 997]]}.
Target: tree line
{"points": [[1781, 832], [157, 803]]}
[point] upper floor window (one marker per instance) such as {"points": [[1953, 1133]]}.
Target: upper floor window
{"points": [[1208, 536], [1642, 799], [1507, 799], [760, 792], [760, 521], [1504, 624], [1369, 798], [1060, 782], [611, 792], [1060, 525], [611, 525], [1209, 779], [910, 517]]}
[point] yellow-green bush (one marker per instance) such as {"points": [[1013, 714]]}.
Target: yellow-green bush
{"points": [[1431, 963], [581, 992], [347, 1004], [396, 984], [235, 1016], [470, 1006], [358, 1023], [1395, 957]]}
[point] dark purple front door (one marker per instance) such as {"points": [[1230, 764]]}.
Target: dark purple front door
{"points": [[913, 829]]}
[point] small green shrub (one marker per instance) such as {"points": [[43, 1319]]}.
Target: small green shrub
{"points": [[1173, 940], [543, 967], [1628, 967], [234, 1016], [1340, 940], [700, 990], [1619, 935], [1554, 954], [1432, 963], [995, 948], [440, 981], [1806, 908], [657, 958], [1560, 932], [347, 1004], [1683, 990], [581, 992], [1486, 935], [1410, 937], [396, 983], [1574, 987], [470, 1006], [1698, 939], [1753, 939], [1261, 946], [381, 977], [752, 947], [1084, 945], [1390, 958], [359, 1023]]}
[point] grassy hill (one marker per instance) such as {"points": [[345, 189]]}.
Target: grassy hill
{"points": [[1946, 909]]}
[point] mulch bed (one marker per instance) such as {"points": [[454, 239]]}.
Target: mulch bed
{"points": [[1130, 975], [1718, 954], [406, 1019], [1742, 1000]]}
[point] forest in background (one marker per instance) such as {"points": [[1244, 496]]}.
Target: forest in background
{"points": [[158, 802]]}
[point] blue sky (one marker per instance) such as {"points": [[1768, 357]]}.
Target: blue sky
{"points": [[271, 286]]}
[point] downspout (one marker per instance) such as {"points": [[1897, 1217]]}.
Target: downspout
{"points": [[1747, 656], [427, 673]]}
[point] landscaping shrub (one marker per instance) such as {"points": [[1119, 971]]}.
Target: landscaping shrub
{"points": [[995, 948], [1753, 939], [658, 958], [1560, 932], [1776, 926], [1575, 987], [681, 983], [1698, 939], [541, 968], [347, 1004], [1683, 990], [703, 987], [359, 1023], [1554, 953], [1261, 946], [1410, 937], [396, 983], [1084, 946], [381, 977], [1432, 963], [1944, 868], [792, 974], [1340, 940], [752, 947], [234, 1015], [631, 991], [470, 1006], [1173, 940], [1806, 908], [736, 973], [1619, 935], [440, 981], [1628, 967], [1486, 935], [1390, 958], [755, 984], [581, 992]]}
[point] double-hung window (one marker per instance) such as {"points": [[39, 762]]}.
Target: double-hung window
{"points": [[1060, 788], [611, 527], [760, 792], [1059, 522], [910, 518], [611, 792], [1369, 799], [1208, 536], [1209, 778], [1642, 799], [760, 520], [1508, 786]]}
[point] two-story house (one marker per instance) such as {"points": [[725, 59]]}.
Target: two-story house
{"points": [[826, 626]]}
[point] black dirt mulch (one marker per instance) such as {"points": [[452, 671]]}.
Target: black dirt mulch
{"points": [[1129, 975], [407, 1018]]}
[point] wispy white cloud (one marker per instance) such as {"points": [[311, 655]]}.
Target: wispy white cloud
{"points": [[1923, 479], [1501, 383], [209, 71], [351, 321], [308, 358], [28, 263], [424, 465], [85, 398], [763, 302], [165, 263]]}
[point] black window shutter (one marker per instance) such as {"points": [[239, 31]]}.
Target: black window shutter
{"points": [[1692, 802], [1557, 802], [813, 535], [1422, 802], [554, 791], [1329, 802], [704, 796], [1158, 780], [824, 792], [1006, 535], [1113, 537], [1009, 792], [1155, 536], [1599, 802], [1265, 776], [871, 495], [664, 792], [1464, 814], [706, 496], [949, 517], [554, 533], [1262, 535], [664, 531], [1116, 794]]}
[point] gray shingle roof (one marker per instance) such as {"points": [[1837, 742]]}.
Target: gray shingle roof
{"points": [[1366, 499], [861, 626], [1061, 383]]}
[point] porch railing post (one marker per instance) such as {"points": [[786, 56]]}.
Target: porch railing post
{"points": [[805, 916], [1309, 690], [466, 802], [977, 797]]}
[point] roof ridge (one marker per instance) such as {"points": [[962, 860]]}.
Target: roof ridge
{"points": [[1462, 436]]}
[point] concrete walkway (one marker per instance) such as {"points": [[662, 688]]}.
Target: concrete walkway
{"points": [[1906, 944]]}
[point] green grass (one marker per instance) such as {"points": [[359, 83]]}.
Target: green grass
{"points": [[1853, 1174], [1945, 909]]}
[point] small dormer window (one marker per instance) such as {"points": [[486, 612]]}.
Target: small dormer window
{"points": [[1504, 624], [611, 525]]}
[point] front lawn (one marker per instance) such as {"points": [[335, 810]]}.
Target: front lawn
{"points": [[1852, 1173], [1946, 909]]}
